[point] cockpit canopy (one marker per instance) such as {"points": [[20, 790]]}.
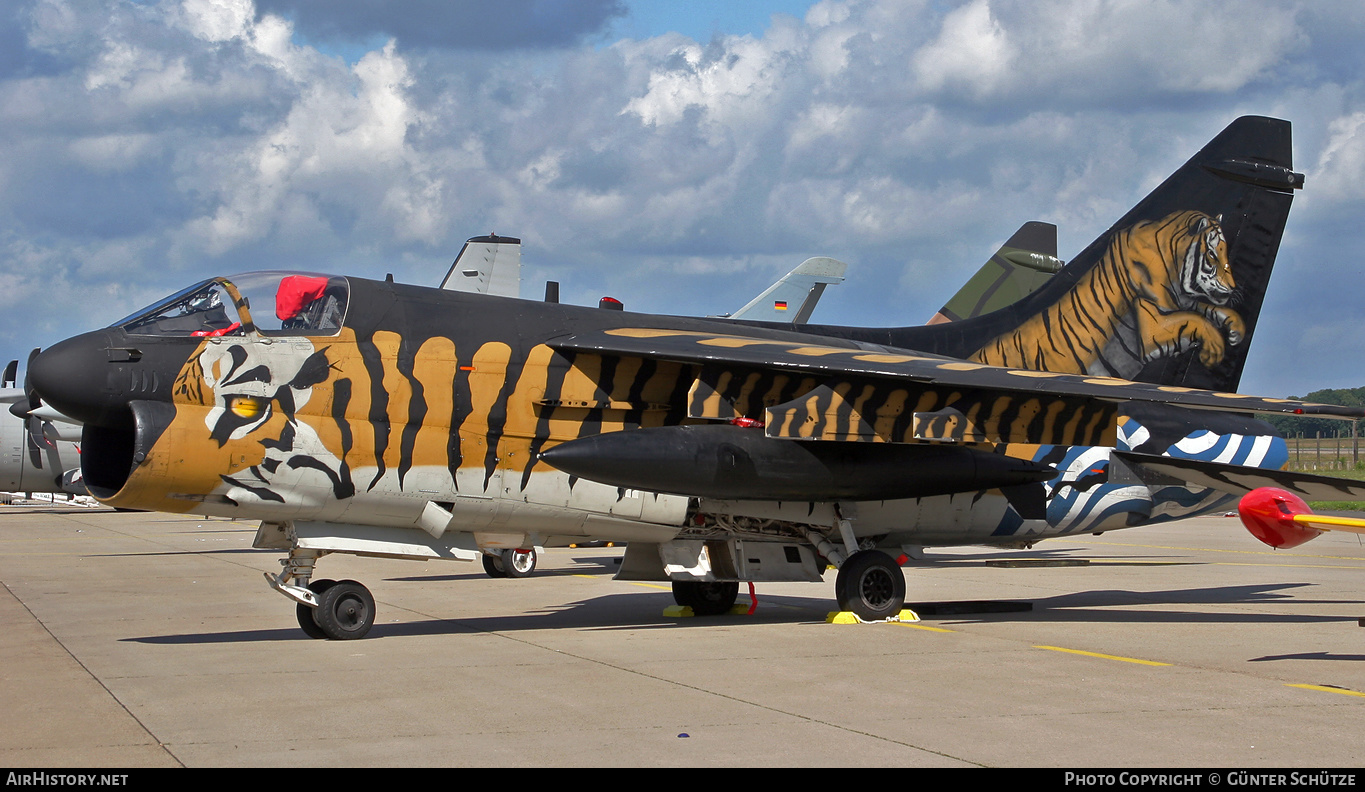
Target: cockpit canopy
{"points": [[273, 303]]}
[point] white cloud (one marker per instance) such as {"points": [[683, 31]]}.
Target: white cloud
{"points": [[113, 152], [1340, 170], [218, 20], [161, 140], [973, 53]]}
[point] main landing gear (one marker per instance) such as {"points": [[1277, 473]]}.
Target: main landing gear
{"points": [[510, 563], [706, 599], [870, 585]]}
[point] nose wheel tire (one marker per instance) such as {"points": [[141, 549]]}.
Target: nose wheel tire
{"points": [[345, 611], [870, 585], [304, 613], [706, 599]]}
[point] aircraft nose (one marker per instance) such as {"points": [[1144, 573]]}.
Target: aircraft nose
{"points": [[72, 377]]}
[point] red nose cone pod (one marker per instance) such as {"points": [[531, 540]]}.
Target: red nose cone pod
{"points": [[1269, 512]]}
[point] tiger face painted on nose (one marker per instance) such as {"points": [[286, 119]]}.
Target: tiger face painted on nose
{"points": [[258, 391]]}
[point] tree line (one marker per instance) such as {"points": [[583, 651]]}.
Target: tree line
{"points": [[1291, 425]]}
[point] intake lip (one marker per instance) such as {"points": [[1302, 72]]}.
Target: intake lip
{"points": [[111, 454]]}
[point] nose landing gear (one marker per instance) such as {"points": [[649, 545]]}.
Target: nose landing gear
{"points": [[339, 610]]}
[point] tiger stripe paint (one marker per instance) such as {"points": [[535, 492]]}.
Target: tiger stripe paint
{"points": [[827, 414]]}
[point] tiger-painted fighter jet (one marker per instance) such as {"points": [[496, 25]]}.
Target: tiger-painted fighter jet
{"points": [[375, 418]]}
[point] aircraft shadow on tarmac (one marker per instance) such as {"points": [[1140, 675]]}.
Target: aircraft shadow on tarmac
{"points": [[637, 610], [1310, 656], [206, 551], [629, 610], [1108, 606]]}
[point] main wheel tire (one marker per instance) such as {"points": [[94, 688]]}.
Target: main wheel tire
{"points": [[518, 563], [871, 585], [492, 564], [345, 611], [706, 599], [304, 613]]}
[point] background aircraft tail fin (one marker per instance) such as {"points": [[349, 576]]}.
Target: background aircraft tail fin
{"points": [[792, 298], [487, 265], [1026, 261]]}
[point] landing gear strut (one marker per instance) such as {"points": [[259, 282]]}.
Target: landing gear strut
{"points": [[304, 613], [323, 608], [870, 585]]}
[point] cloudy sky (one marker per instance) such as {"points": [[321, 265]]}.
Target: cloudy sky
{"points": [[678, 156]]}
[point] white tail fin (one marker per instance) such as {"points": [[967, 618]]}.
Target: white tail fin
{"points": [[792, 298], [487, 265]]}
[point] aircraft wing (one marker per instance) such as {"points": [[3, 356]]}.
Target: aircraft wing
{"points": [[884, 394], [793, 298], [1241, 479]]}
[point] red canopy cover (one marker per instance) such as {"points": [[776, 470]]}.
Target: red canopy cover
{"points": [[295, 293]]}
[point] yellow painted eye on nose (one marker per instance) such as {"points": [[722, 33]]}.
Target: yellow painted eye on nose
{"points": [[246, 406]]}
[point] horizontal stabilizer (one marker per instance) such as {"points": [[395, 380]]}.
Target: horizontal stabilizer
{"points": [[1241, 479]]}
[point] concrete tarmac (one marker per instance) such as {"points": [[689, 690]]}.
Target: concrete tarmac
{"points": [[148, 640]]}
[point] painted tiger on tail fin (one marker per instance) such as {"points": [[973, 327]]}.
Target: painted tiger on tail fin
{"points": [[1161, 288]]}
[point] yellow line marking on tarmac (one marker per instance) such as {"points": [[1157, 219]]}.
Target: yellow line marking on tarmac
{"points": [[924, 627], [1328, 689], [631, 582], [1102, 656]]}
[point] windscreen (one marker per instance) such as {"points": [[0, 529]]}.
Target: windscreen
{"points": [[277, 303]]}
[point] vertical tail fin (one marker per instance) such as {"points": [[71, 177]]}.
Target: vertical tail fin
{"points": [[1170, 294]]}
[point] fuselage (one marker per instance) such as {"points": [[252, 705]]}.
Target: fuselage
{"points": [[392, 398]]}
